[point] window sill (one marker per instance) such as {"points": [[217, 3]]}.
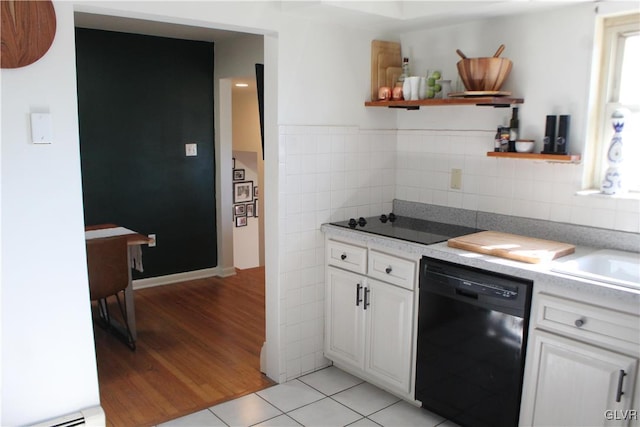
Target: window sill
{"points": [[629, 195]]}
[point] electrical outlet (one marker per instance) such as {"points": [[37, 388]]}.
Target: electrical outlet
{"points": [[456, 179], [191, 150], [152, 240]]}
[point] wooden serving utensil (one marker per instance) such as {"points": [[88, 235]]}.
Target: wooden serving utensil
{"points": [[462, 55], [499, 51]]}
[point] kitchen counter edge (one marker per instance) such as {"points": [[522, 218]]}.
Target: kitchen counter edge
{"points": [[544, 279]]}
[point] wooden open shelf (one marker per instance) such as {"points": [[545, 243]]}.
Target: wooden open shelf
{"points": [[492, 101], [566, 158]]}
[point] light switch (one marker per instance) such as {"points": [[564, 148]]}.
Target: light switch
{"points": [[41, 129], [191, 149]]}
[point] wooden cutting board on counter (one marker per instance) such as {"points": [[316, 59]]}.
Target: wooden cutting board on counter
{"points": [[512, 246]]}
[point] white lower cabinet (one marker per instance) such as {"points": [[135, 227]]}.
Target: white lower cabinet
{"points": [[580, 384], [389, 318], [344, 324], [369, 325], [576, 374]]}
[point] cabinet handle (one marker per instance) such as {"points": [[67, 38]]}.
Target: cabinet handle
{"points": [[343, 257], [366, 298], [358, 299], [619, 393], [579, 323], [388, 270]]}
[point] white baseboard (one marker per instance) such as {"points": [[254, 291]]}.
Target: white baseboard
{"points": [[263, 358], [227, 271], [181, 277], [94, 416]]}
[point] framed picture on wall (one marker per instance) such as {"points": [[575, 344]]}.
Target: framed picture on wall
{"points": [[239, 210], [233, 163], [242, 191], [241, 221], [255, 208], [249, 209], [255, 191], [238, 174]]}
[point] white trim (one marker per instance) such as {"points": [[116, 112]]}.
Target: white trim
{"points": [[179, 277], [94, 416], [606, 69], [227, 271], [630, 195]]}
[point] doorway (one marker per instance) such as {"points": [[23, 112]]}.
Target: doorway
{"points": [[166, 347], [248, 173]]}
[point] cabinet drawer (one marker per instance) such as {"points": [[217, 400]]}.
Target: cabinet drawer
{"points": [[391, 269], [349, 257], [588, 322]]}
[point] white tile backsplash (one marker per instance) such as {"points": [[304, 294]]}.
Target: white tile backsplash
{"points": [[533, 189], [332, 173]]}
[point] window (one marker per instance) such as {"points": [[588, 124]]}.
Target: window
{"points": [[618, 87]]}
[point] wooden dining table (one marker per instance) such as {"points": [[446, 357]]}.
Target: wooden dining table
{"points": [[135, 241]]}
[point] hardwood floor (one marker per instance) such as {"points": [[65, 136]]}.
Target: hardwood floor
{"points": [[198, 345]]}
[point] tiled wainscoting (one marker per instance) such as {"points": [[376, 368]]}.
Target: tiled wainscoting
{"points": [[326, 174], [524, 188], [335, 173]]}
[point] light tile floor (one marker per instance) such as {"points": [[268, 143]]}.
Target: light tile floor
{"points": [[328, 398]]}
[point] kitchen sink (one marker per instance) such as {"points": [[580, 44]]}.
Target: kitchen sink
{"points": [[606, 265]]}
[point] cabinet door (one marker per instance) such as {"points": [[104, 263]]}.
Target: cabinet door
{"points": [[389, 315], [577, 384], [344, 324]]}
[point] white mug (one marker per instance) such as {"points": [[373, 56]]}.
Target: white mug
{"points": [[422, 88], [406, 89], [414, 82]]}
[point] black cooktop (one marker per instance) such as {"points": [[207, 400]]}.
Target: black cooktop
{"points": [[406, 228]]}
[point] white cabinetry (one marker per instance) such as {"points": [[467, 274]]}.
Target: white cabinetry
{"points": [[344, 324], [582, 365], [389, 320], [370, 322]]}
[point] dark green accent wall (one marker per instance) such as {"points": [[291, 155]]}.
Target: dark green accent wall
{"points": [[140, 99]]}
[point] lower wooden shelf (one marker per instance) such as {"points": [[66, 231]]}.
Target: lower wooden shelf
{"points": [[564, 158]]}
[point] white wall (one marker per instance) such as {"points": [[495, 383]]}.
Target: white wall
{"points": [[48, 359], [324, 76], [315, 107], [552, 54]]}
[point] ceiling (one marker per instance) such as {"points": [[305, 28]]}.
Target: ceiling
{"points": [[384, 15], [414, 14]]}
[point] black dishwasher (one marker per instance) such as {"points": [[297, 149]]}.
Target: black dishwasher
{"points": [[472, 329]]}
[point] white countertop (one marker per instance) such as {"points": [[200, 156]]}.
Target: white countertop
{"points": [[544, 279]]}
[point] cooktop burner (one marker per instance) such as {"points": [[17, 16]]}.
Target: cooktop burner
{"points": [[406, 228]]}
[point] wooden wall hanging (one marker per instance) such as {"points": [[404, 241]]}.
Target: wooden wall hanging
{"points": [[28, 29]]}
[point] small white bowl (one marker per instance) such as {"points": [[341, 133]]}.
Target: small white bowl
{"points": [[525, 145]]}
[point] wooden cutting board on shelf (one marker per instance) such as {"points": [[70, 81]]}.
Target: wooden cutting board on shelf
{"points": [[512, 246], [384, 55]]}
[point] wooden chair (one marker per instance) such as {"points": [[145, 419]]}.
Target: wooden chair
{"points": [[108, 267]]}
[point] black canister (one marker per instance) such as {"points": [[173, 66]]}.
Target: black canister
{"points": [[549, 135], [562, 141]]}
